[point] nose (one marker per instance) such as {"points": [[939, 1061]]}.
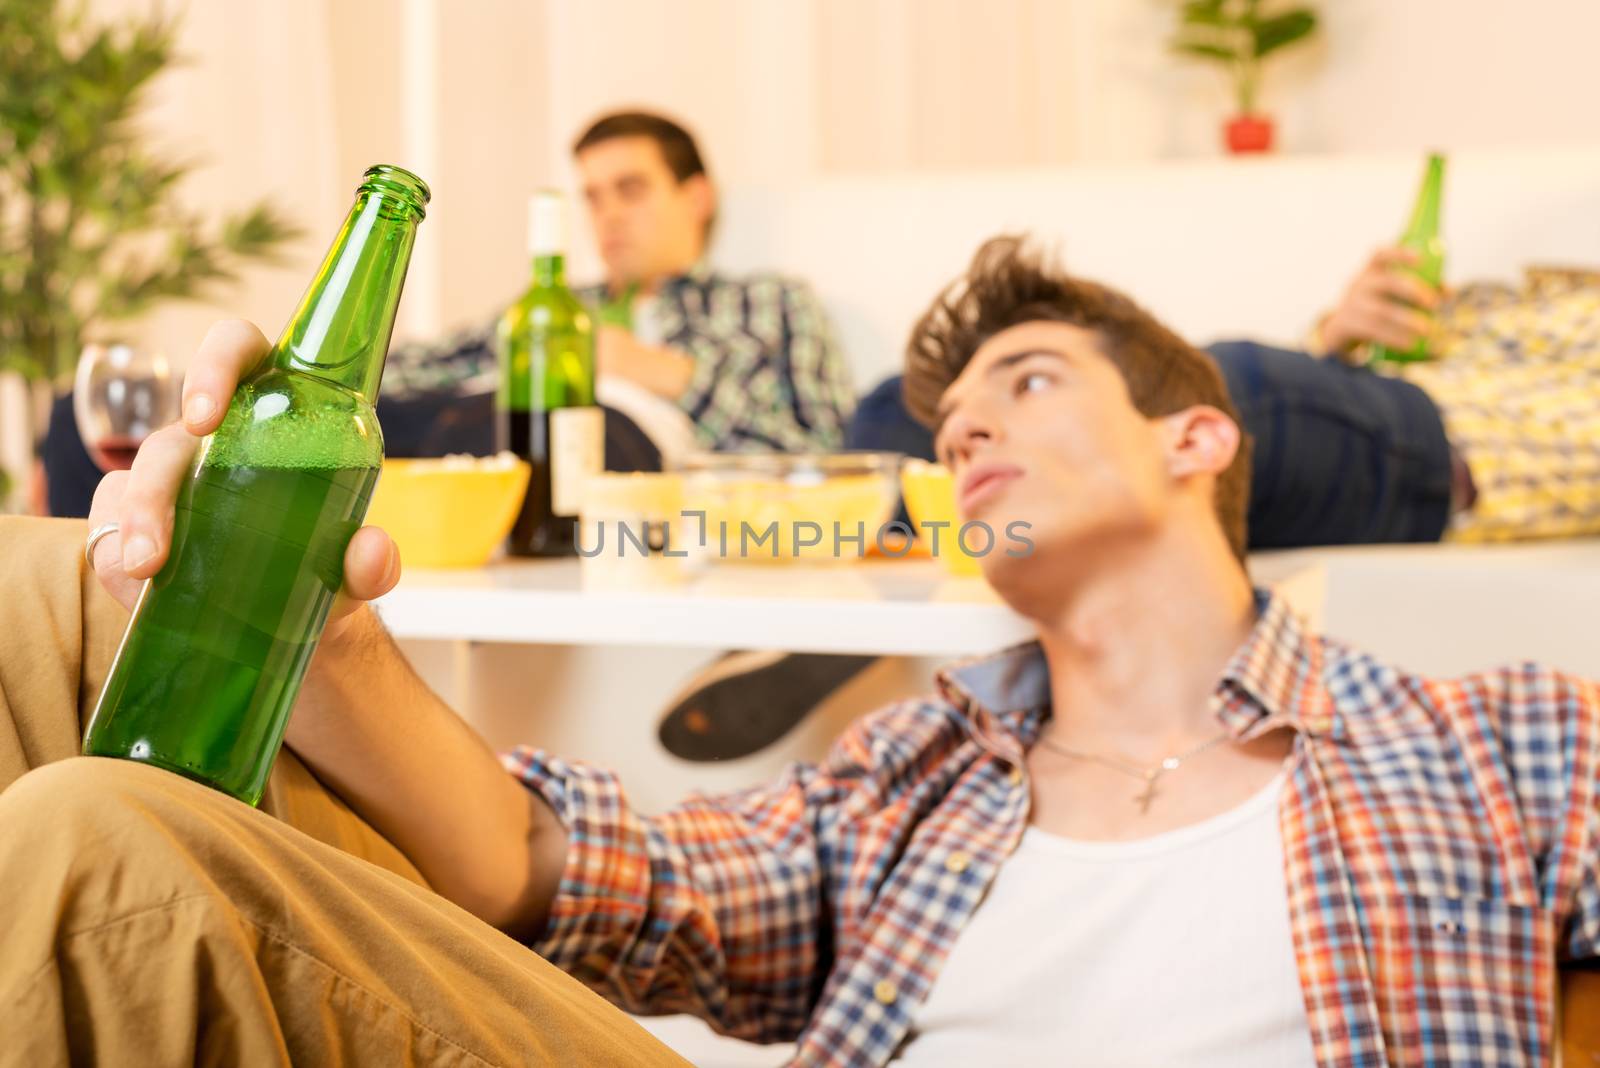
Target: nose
{"points": [[967, 430], [603, 214]]}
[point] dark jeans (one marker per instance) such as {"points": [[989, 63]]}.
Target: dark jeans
{"points": [[436, 425], [1342, 456]]}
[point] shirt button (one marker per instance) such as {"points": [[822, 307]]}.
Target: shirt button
{"points": [[957, 863], [885, 992], [1015, 777]]}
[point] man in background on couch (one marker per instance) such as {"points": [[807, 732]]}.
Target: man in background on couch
{"points": [[750, 361]]}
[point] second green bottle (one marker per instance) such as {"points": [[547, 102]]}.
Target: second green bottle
{"points": [[546, 405]]}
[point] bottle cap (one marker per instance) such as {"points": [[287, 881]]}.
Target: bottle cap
{"points": [[546, 233]]}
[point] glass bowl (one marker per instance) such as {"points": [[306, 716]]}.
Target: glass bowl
{"points": [[788, 507]]}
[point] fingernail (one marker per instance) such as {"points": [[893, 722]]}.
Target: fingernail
{"points": [[199, 408], [137, 551]]}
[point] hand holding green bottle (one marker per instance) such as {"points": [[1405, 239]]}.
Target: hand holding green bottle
{"points": [[1385, 304], [141, 501], [245, 548]]}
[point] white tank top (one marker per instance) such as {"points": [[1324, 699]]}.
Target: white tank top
{"points": [[1171, 950]]}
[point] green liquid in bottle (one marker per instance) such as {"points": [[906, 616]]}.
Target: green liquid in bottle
{"points": [[230, 682]]}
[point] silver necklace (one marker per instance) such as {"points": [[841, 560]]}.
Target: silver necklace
{"points": [[1146, 775]]}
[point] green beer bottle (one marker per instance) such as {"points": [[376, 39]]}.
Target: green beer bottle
{"points": [[546, 410], [1422, 237], [220, 638]]}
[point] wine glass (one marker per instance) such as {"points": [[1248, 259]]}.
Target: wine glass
{"points": [[120, 395]]}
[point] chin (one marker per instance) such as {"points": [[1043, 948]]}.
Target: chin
{"points": [[1056, 551], [1029, 585]]}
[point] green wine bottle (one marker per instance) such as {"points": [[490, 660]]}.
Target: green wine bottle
{"points": [[1422, 237], [220, 639], [546, 410]]}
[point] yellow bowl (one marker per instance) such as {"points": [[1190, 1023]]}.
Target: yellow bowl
{"points": [[930, 495], [452, 512]]}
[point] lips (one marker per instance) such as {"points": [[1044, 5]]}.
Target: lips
{"points": [[982, 482]]}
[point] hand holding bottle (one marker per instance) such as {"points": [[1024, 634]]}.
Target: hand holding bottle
{"points": [[141, 500], [1386, 303]]}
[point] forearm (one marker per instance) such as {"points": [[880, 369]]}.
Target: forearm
{"points": [[398, 755], [665, 371]]}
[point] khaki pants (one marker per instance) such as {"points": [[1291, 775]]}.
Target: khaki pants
{"points": [[147, 920]]}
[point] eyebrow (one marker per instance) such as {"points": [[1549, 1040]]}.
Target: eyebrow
{"points": [[1002, 363], [626, 179]]}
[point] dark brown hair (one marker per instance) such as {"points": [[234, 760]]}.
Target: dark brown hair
{"points": [[1008, 284], [676, 144]]}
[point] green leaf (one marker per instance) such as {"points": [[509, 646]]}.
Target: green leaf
{"points": [[258, 232], [1205, 13], [1206, 51], [1282, 30]]}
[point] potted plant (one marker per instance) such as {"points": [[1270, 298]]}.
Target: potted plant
{"points": [[1240, 34], [93, 227]]}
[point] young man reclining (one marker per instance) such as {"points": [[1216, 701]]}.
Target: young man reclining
{"points": [[1178, 828]]}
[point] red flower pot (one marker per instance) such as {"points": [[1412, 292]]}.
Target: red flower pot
{"points": [[1249, 133]]}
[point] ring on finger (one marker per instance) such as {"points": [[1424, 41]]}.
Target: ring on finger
{"points": [[95, 536]]}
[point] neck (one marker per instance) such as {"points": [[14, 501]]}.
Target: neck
{"points": [[649, 283], [1135, 651], [640, 287]]}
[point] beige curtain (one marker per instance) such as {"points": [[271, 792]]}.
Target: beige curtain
{"points": [[249, 103]]}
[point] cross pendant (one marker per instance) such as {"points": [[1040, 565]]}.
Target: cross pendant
{"points": [[1148, 794]]}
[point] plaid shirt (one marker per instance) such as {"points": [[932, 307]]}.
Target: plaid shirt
{"points": [[767, 372], [1439, 842]]}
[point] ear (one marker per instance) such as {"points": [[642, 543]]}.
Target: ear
{"points": [[703, 195], [1200, 440]]}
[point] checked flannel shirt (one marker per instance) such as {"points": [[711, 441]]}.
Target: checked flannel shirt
{"points": [[767, 375], [1439, 842]]}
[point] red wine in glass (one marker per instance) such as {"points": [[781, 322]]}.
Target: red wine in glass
{"points": [[120, 395], [115, 454]]}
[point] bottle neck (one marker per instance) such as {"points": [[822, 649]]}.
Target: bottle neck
{"points": [[549, 270], [341, 331], [1425, 216]]}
